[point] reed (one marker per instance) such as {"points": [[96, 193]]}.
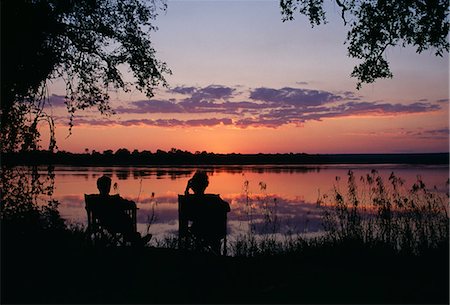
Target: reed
{"points": [[379, 212], [372, 214]]}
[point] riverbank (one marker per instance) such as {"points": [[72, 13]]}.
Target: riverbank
{"points": [[174, 157], [340, 273]]}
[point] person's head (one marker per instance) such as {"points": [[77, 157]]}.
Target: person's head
{"points": [[199, 182], [104, 185]]}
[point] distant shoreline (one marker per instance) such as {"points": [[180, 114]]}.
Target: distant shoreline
{"points": [[178, 158]]}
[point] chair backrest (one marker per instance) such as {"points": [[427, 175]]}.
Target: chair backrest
{"points": [[96, 206], [207, 210]]}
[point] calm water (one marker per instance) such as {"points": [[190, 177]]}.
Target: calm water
{"points": [[286, 194]]}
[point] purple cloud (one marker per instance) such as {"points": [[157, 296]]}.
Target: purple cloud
{"points": [[265, 107], [160, 122], [351, 108], [265, 122], [236, 108], [350, 96], [183, 90], [209, 122], [152, 106], [57, 100], [95, 122], [296, 115], [442, 131], [294, 96], [436, 134], [212, 92]]}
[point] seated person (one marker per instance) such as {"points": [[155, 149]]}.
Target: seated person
{"points": [[210, 216], [112, 213]]}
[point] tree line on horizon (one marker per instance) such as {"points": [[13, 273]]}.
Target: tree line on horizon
{"points": [[174, 156]]}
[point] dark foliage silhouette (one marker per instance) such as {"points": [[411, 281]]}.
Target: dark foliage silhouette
{"points": [[174, 156], [82, 42]]}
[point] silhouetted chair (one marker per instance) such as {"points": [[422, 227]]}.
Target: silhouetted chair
{"points": [[202, 220], [98, 231]]}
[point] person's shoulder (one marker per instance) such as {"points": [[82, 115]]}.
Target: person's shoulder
{"points": [[119, 199], [212, 197], [91, 196], [98, 197], [218, 200]]}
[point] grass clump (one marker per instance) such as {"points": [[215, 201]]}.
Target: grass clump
{"points": [[386, 213], [373, 214]]}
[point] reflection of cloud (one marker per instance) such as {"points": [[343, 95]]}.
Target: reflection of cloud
{"points": [[160, 216], [293, 214], [72, 200], [259, 107], [270, 213]]}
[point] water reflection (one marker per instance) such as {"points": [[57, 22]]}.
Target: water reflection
{"points": [[286, 205]]}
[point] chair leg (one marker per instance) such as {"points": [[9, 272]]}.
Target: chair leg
{"points": [[225, 246]]}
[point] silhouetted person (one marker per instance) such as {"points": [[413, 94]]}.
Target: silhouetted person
{"points": [[208, 223], [113, 216]]}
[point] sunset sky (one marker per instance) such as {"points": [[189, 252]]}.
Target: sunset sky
{"points": [[244, 81]]}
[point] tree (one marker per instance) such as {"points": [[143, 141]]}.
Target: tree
{"points": [[84, 42], [375, 25], [108, 153]]}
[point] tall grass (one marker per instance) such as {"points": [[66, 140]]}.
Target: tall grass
{"points": [[266, 234], [374, 213], [386, 212]]}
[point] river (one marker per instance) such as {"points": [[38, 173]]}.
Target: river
{"points": [[269, 199]]}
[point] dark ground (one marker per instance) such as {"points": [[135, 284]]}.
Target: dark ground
{"points": [[339, 274]]}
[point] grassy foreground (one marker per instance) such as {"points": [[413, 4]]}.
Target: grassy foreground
{"points": [[339, 273], [383, 244]]}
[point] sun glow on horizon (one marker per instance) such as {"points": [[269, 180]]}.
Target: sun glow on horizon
{"points": [[249, 83], [327, 136]]}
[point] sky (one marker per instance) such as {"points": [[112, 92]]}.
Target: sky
{"points": [[244, 81]]}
